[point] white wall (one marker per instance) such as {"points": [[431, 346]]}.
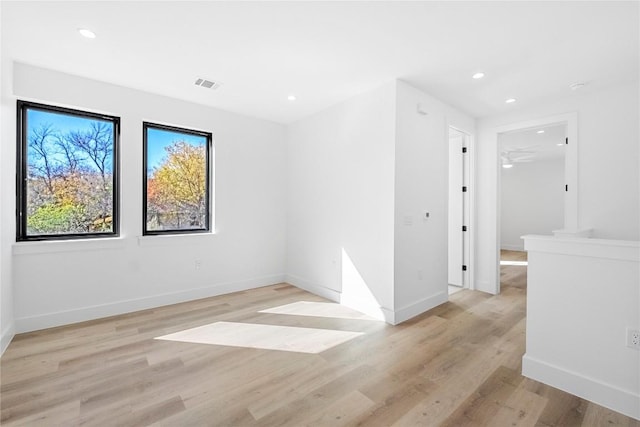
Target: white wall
{"points": [[582, 295], [7, 162], [421, 185], [531, 200], [361, 176], [341, 210], [63, 282], [608, 170], [340, 201]]}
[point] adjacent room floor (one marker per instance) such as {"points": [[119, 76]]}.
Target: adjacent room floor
{"points": [[281, 356]]}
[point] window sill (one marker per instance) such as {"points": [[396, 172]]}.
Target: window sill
{"points": [[53, 246], [176, 239]]}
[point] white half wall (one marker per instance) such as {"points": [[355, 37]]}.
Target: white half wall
{"points": [[69, 281], [421, 186], [582, 295], [531, 201], [340, 177], [608, 170]]}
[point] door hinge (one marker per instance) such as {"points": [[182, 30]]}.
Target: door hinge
{"points": [[464, 150], [464, 268], [464, 228], [566, 187], [566, 140], [464, 188]]}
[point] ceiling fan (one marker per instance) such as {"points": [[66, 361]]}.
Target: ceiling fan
{"points": [[518, 155]]}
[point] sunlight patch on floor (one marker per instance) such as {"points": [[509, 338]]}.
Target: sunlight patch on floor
{"points": [[504, 262], [319, 309], [267, 337]]}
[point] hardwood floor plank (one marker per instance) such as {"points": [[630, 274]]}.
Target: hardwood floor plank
{"points": [[596, 415], [522, 408], [340, 412], [458, 364], [297, 387], [481, 407], [111, 393], [395, 396], [149, 415], [39, 395], [65, 414], [562, 408], [320, 398], [454, 389]]}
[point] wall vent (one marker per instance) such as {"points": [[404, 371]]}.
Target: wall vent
{"points": [[207, 84]]}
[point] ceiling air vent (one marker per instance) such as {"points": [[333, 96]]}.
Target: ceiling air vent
{"points": [[207, 84]]}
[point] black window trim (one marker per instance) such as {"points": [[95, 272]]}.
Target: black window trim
{"points": [[209, 137], [22, 172]]}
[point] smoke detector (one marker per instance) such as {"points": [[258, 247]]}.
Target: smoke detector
{"points": [[207, 83]]}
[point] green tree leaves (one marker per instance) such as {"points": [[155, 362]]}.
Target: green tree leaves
{"points": [[57, 218]]}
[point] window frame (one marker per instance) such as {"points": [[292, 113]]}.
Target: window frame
{"points": [[209, 147], [22, 172]]}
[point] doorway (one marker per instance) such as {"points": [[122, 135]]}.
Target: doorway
{"points": [[458, 211], [532, 183], [569, 224]]}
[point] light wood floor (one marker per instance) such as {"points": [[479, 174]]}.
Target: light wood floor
{"points": [[513, 275], [456, 365]]}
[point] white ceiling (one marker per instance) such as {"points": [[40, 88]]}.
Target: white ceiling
{"points": [[533, 146], [325, 52]]}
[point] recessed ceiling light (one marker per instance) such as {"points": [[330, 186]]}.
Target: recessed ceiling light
{"points": [[510, 100], [478, 76], [87, 33], [560, 144], [291, 97], [540, 131], [507, 165]]}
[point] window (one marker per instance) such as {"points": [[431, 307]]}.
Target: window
{"points": [[67, 173], [176, 180]]}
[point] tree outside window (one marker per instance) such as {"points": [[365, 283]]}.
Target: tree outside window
{"points": [[176, 180], [67, 173]]}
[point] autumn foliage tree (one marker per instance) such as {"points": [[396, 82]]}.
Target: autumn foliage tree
{"points": [[70, 179], [176, 189]]}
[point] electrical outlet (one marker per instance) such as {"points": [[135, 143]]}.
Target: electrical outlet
{"points": [[633, 338], [198, 264]]}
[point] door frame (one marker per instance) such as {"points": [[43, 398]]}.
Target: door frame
{"points": [[571, 223], [469, 176]]}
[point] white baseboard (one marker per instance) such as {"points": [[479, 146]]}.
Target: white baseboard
{"points": [[516, 247], [382, 313], [376, 312], [323, 291], [603, 394], [7, 335], [419, 307], [485, 286], [49, 320]]}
